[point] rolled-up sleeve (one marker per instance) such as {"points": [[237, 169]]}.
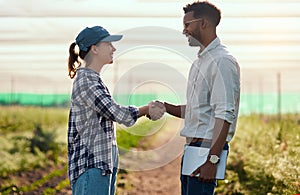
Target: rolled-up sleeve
{"points": [[225, 90], [98, 98]]}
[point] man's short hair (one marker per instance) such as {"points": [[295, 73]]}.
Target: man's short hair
{"points": [[204, 9]]}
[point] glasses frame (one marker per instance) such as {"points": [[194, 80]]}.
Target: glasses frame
{"points": [[187, 23]]}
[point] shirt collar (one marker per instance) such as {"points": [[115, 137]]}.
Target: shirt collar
{"points": [[84, 69], [215, 43]]}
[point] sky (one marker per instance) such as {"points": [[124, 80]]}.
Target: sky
{"points": [[35, 36]]}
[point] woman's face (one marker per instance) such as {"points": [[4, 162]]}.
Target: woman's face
{"points": [[106, 50]]}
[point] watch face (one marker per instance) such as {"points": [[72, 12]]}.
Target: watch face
{"points": [[214, 159]]}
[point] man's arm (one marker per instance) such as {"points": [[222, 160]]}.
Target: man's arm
{"points": [[208, 170], [221, 130], [143, 110], [175, 110]]}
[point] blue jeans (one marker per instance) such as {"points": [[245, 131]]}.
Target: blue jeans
{"points": [[191, 185], [92, 182]]}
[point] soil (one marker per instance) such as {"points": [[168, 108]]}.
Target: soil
{"points": [[163, 180], [21, 179], [160, 181]]}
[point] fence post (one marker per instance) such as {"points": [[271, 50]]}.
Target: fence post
{"points": [[278, 96]]}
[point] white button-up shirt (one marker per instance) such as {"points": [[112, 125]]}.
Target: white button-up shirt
{"points": [[213, 91]]}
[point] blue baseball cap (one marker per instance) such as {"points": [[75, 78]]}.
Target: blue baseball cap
{"points": [[91, 36]]}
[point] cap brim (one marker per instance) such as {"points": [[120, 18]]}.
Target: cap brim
{"points": [[112, 38]]}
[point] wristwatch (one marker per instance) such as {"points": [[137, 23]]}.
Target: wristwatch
{"points": [[214, 159]]}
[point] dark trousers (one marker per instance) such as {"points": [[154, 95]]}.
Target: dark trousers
{"points": [[191, 185]]}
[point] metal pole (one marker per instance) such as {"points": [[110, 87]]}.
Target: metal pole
{"points": [[279, 96], [261, 98], [12, 90]]}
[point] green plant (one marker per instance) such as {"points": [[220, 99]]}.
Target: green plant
{"points": [[39, 183], [263, 157], [25, 142], [129, 137], [45, 142], [24, 119]]}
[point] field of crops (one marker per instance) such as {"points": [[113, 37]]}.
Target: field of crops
{"points": [[264, 155]]}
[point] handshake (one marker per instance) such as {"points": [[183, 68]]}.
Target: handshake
{"points": [[156, 110]]}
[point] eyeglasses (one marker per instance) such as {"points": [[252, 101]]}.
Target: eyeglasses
{"points": [[187, 23]]}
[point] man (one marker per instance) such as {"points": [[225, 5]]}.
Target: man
{"points": [[213, 93]]}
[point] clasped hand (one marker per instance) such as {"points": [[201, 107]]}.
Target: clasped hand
{"points": [[156, 110]]}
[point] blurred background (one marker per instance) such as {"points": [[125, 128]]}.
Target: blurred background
{"points": [[152, 61], [35, 37]]}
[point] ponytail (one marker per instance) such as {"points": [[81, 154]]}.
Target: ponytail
{"points": [[73, 57]]}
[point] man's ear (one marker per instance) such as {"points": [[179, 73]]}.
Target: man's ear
{"points": [[204, 23], [207, 23]]}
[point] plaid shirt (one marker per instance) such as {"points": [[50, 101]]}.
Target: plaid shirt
{"points": [[91, 131]]}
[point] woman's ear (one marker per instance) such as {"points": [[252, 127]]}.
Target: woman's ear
{"points": [[94, 49]]}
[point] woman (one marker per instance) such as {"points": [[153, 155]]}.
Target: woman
{"points": [[92, 150]]}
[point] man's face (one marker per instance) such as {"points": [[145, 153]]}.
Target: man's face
{"points": [[191, 28]]}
